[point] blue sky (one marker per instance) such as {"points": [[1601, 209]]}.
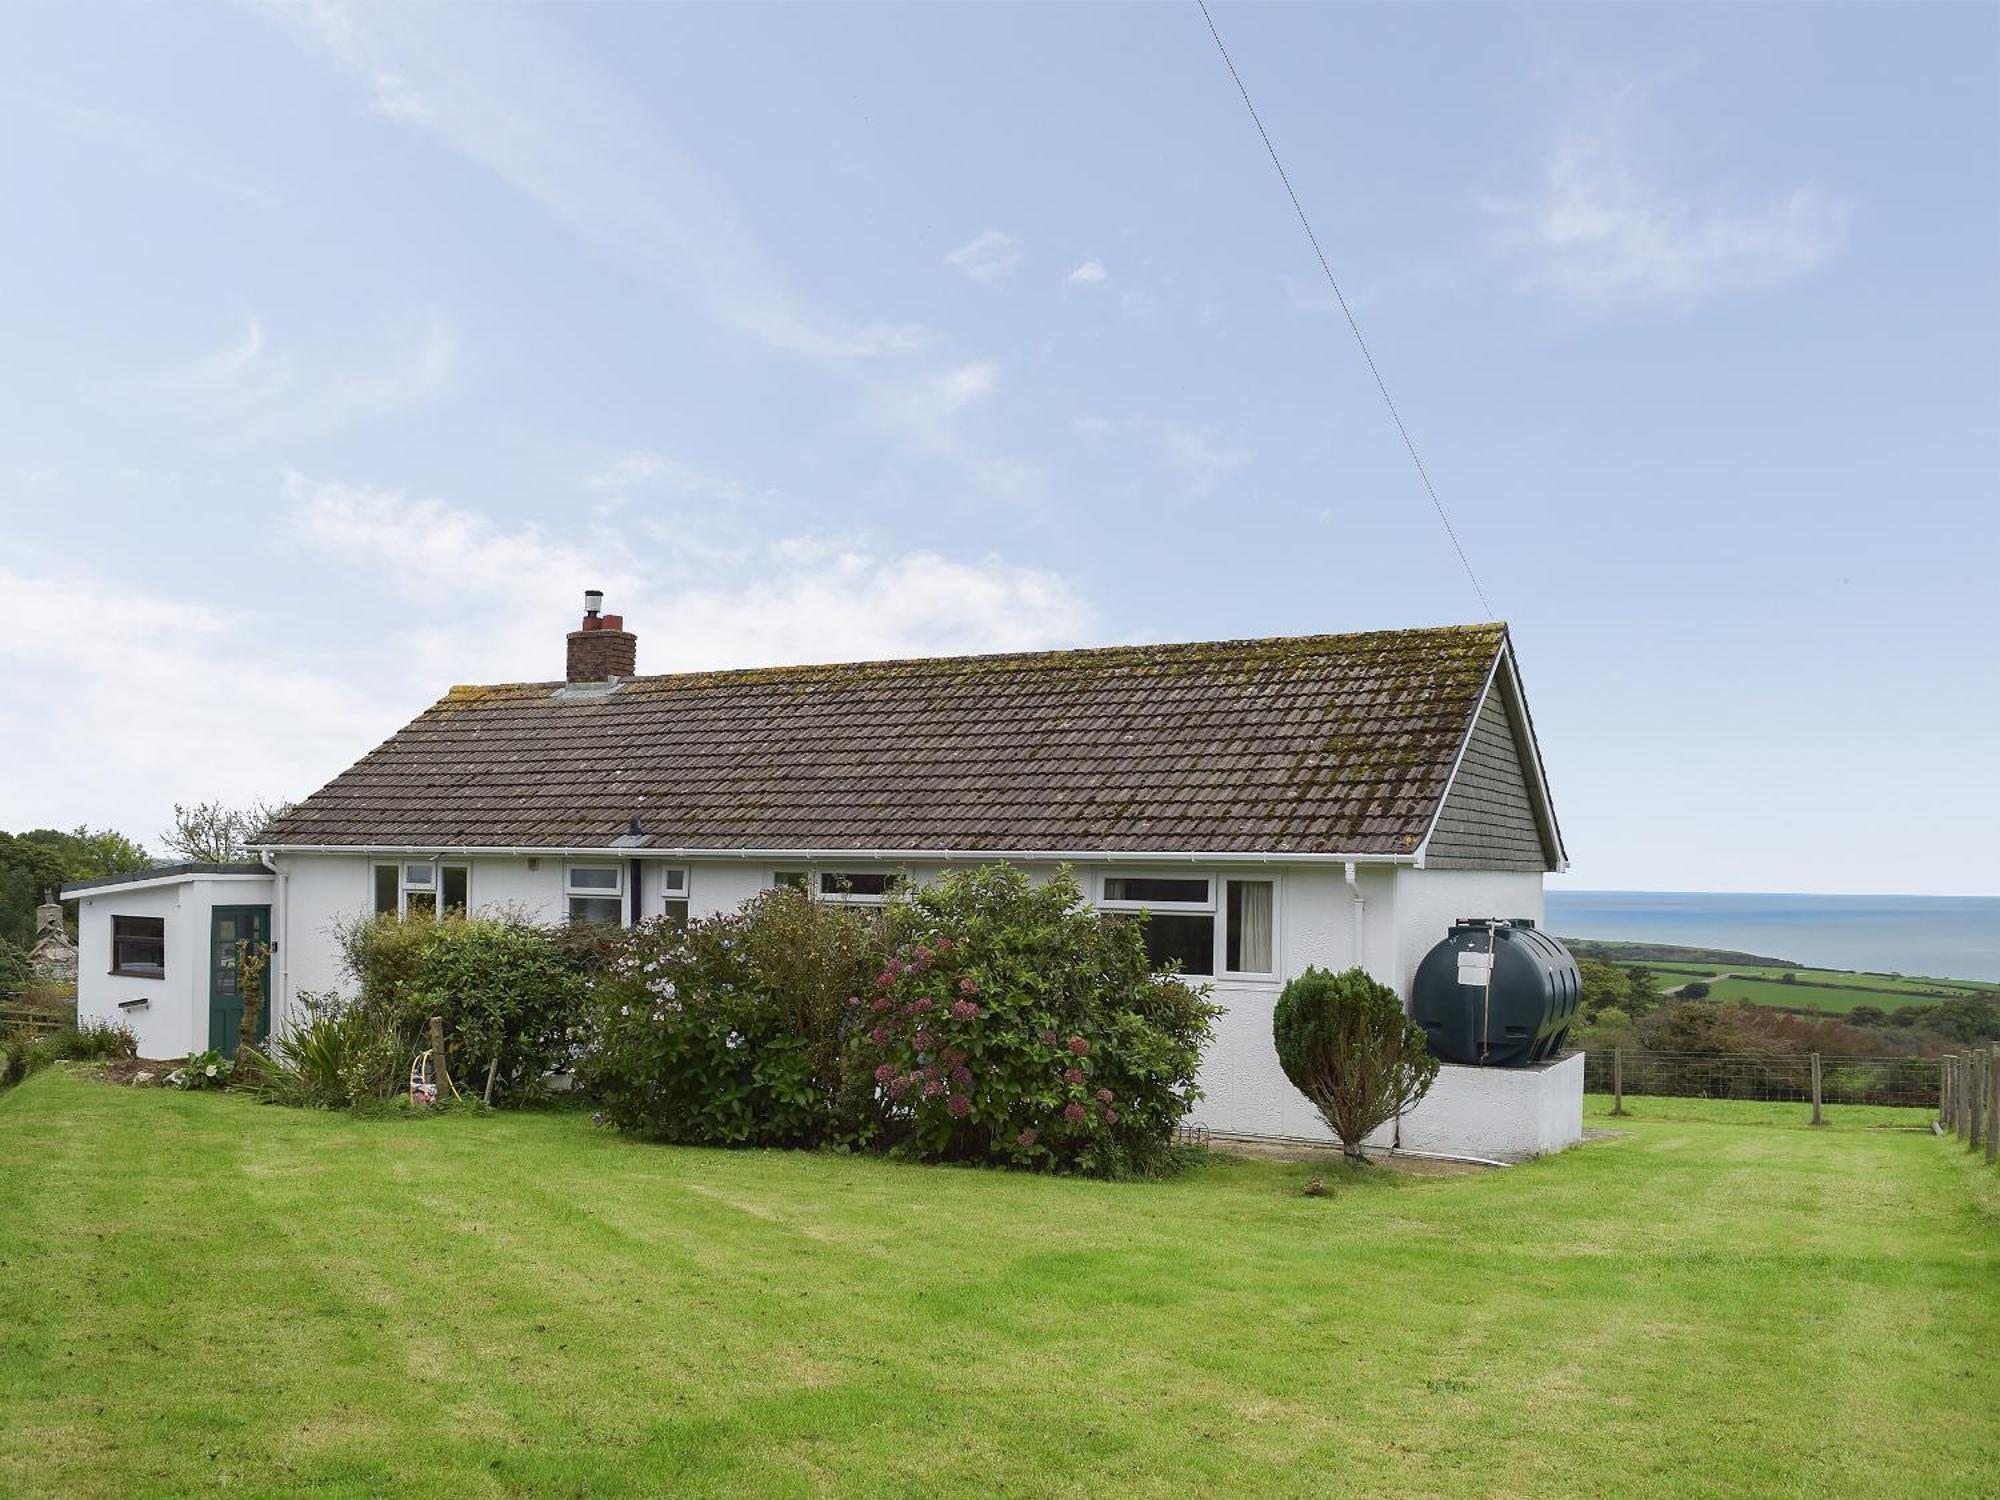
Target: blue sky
{"points": [[345, 346]]}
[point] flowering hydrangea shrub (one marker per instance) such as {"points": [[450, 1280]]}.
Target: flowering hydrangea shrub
{"points": [[1014, 1023]]}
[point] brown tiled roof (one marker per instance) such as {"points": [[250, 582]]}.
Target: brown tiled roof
{"points": [[1314, 744]]}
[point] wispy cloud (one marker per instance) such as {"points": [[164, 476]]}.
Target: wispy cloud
{"points": [[219, 721], [1196, 457], [1090, 273], [988, 256], [496, 596], [1602, 231], [145, 143], [252, 389], [511, 93]]}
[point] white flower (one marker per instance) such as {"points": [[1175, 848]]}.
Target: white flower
{"points": [[209, 1070]]}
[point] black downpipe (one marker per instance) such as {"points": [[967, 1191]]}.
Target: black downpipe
{"points": [[635, 893]]}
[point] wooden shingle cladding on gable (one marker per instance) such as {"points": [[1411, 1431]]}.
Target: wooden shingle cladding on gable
{"points": [[1493, 816], [1318, 746]]}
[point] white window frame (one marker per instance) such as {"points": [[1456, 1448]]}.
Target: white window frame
{"points": [[406, 887], [615, 892], [665, 890], [815, 878], [1216, 906]]}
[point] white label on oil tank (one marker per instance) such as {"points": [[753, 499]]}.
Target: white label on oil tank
{"points": [[1475, 968]]}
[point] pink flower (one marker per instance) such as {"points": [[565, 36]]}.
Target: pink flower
{"points": [[1074, 1114], [921, 1004], [953, 1056], [1026, 1138], [1105, 1096], [961, 1077], [925, 1040], [886, 1072], [1048, 1039], [1079, 1046], [932, 1088], [898, 1087], [968, 986], [879, 1036], [887, 977], [960, 1106], [923, 957], [943, 945], [965, 1010], [882, 1003], [1073, 1075], [853, 999], [1111, 1117]]}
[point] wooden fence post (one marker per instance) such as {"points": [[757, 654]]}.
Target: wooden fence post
{"points": [[1962, 1113], [1993, 1105], [442, 1073], [1944, 1093], [1819, 1118], [1975, 1125], [1618, 1080]]}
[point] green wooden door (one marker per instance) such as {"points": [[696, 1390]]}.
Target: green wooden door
{"points": [[229, 926]]}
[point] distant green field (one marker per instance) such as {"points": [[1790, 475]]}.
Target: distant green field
{"points": [[1833, 991]]}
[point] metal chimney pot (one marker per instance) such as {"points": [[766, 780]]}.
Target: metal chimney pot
{"points": [[593, 601]]}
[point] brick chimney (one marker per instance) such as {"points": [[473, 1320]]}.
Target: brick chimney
{"points": [[601, 648]]}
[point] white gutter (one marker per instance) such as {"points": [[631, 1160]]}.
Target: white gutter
{"points": [[1069, 856]]}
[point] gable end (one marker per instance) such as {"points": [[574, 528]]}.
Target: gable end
{"points": [[1488, 818]]}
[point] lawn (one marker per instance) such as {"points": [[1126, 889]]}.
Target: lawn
{"points": [[196, 1292]]}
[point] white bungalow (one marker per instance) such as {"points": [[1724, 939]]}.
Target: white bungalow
{"points": [[1274, 804]]}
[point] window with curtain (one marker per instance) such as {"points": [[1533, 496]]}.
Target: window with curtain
{"points": [[1247, 943]]}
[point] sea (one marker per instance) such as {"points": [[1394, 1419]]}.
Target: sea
{"points": [[1939, 937]]}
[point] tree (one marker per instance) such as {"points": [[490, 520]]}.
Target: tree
{"points": [[1642, 996], [1695, 991], [1345, 1043], [45, 859], [210, 833], [1603, 984]]}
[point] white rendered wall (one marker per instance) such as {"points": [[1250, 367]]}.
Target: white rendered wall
{"points": [[1506, 1114], [1429, 901], [174, 1020], [1407, 912]]}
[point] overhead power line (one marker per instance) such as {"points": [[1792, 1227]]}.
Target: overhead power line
{"points": [[1346, 311]]}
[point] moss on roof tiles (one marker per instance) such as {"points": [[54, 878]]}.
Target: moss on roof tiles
{"points": [[1314, 738]]}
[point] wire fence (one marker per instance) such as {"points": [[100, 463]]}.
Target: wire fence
{"points": [[1787, 1078]]}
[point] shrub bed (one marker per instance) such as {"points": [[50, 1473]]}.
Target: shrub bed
{"points": [[984, 1017]]}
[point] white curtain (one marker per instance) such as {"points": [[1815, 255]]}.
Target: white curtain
{"points": [[1250, 925]]}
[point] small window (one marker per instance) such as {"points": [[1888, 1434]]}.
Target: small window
{"points": [[1248, 948], [790, 880], [595, 893], [1153, 891], [414, 888], [1184, 938], [139, 947], [858, 885], [673, 896], [388, 891]]}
